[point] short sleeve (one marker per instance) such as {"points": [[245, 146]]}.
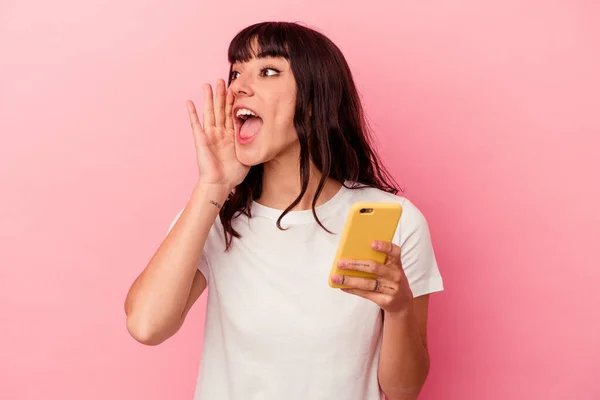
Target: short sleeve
{"points": [[416, 251], [203, 264]]}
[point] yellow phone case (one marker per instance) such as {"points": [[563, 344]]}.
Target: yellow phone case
{"points": [[366, 222]]}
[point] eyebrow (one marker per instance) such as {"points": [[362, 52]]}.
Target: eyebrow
{"points": [[260, 56]]}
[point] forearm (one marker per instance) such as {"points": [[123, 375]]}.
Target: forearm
{"points": [[158, 297], [404, 361]]}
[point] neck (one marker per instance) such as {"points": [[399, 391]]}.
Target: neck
{"points": [[282, 184]]}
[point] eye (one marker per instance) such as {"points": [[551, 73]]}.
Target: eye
{"points": [[234, 75], [269, 71]]}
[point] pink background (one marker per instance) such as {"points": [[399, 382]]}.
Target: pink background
{"points": [[488, 115]]}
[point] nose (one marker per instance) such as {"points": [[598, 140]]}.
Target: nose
{"points": [[242, 85]]}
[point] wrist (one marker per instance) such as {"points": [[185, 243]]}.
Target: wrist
{"points": [[404, 313], [215, 194]]}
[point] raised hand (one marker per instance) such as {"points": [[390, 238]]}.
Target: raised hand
{"points": [[215, 139]]}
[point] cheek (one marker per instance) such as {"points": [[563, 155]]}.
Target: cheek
{"points": [[285, 110], [283, 117]]}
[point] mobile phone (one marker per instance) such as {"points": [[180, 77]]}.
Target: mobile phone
{"points": [[365, 223]]}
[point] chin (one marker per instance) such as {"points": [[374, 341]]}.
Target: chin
{"points": [[250, 156], [264, 148]]}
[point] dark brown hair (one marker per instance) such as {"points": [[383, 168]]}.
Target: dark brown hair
{"points": [[334, 136]]}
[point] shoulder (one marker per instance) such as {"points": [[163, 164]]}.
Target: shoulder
{"points": [[414, 239], [412, 225], [411, 214]]}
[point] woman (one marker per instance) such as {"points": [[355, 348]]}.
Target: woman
{"points": [[283, 153]]}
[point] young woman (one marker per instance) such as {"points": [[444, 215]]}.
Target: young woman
{"points": [[283, 152]]}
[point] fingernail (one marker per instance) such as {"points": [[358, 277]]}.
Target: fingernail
{"points": [[335, 279], [341, 264], [375, 245]]}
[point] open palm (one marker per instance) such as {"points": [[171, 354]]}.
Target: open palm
{"points": [[215, 139]]}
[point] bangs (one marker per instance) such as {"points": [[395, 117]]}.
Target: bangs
{"points": [[264, 40]]}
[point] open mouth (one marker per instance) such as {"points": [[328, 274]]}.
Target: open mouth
{"points": [[248, 122]]}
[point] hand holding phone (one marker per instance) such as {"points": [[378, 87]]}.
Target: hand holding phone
{"points": [[366, 222]]}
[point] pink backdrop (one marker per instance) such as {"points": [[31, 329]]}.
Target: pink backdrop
{"points": [[488, 115]]}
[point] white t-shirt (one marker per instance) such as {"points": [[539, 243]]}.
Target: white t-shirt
{"points": [[275, 329]]}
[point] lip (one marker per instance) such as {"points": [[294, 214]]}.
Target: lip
{"points": [[237, 107], [237, 125]]}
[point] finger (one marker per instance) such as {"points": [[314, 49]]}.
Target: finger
{"points": [[379, 285], [209, 113], [392, 271], [194, 120], [362, 265], [229, 109], [220, 104], [392, 250]]}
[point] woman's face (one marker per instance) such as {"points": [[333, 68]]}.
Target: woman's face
{"points": [[263, 109]]}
